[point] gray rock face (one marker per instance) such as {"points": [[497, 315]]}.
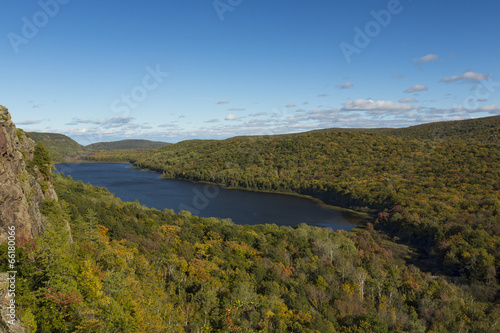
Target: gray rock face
{"points": [[21, 197], [20, 192]]}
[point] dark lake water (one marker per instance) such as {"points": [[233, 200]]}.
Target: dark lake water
{"points": [[243, 207]]}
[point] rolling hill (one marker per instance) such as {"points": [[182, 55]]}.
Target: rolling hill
{"points": [[60, 146], [439, 193], [479, 130], [127, 144], [435, 186]]}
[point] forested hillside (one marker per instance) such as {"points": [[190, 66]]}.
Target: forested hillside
{"points": [[59, 145], [64, 149], [480, 130], [133, 269], [441, 196], [127, 144]]}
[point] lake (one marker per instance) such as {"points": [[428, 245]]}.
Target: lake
{"points": [[205, 200]]}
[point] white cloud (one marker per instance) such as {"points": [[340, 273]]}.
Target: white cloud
{"points": [[378, 107], [322, 95], [232, 117], [236, 109], [398, 76], [301, 127], [467, 76], [117, 122], [106, 123], [212, 121], [346, 85], [223, 101], [322, 115], [167, 125], [77, 121], [416, 88], [435, 111], [290, 105], [492, 109], [407, 100], [257, 114], [426, 58], [29, 122], [134, 127], [261, 124]]}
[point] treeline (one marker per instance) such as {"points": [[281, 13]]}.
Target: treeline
{"points": [[126, 144], [110, 156], [60, 146], [441, 196], [480, 130], [126, 268], [64, 149]]}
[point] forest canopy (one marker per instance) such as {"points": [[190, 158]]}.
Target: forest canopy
{"points": [[133, 269], [429, 261]]}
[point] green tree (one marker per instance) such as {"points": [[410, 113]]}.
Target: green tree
{"points": [[42, 159]]}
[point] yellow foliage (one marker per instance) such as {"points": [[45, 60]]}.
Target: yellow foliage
{"points": [[303, 317], [200, 269], [102, 230], [348, 288], [89, 281], [169, 230], [383, 305], [29, 321], [284, 312], [214, 236]]}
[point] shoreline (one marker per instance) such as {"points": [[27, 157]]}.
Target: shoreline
{"points": [[80, 161], [361, 219]]}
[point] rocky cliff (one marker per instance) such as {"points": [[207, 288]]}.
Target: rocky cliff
{"points": [[23, 188], [21, 193]]}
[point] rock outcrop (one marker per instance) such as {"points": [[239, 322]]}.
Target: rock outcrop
{"points": [[23, 189], [21, 193]]}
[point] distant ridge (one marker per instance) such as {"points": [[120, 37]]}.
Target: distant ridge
{"points": [[479, 130], [62, 148], [59, 145], [127, 144]]}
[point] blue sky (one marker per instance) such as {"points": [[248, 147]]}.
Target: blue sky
{"points": [[173, 70]]}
